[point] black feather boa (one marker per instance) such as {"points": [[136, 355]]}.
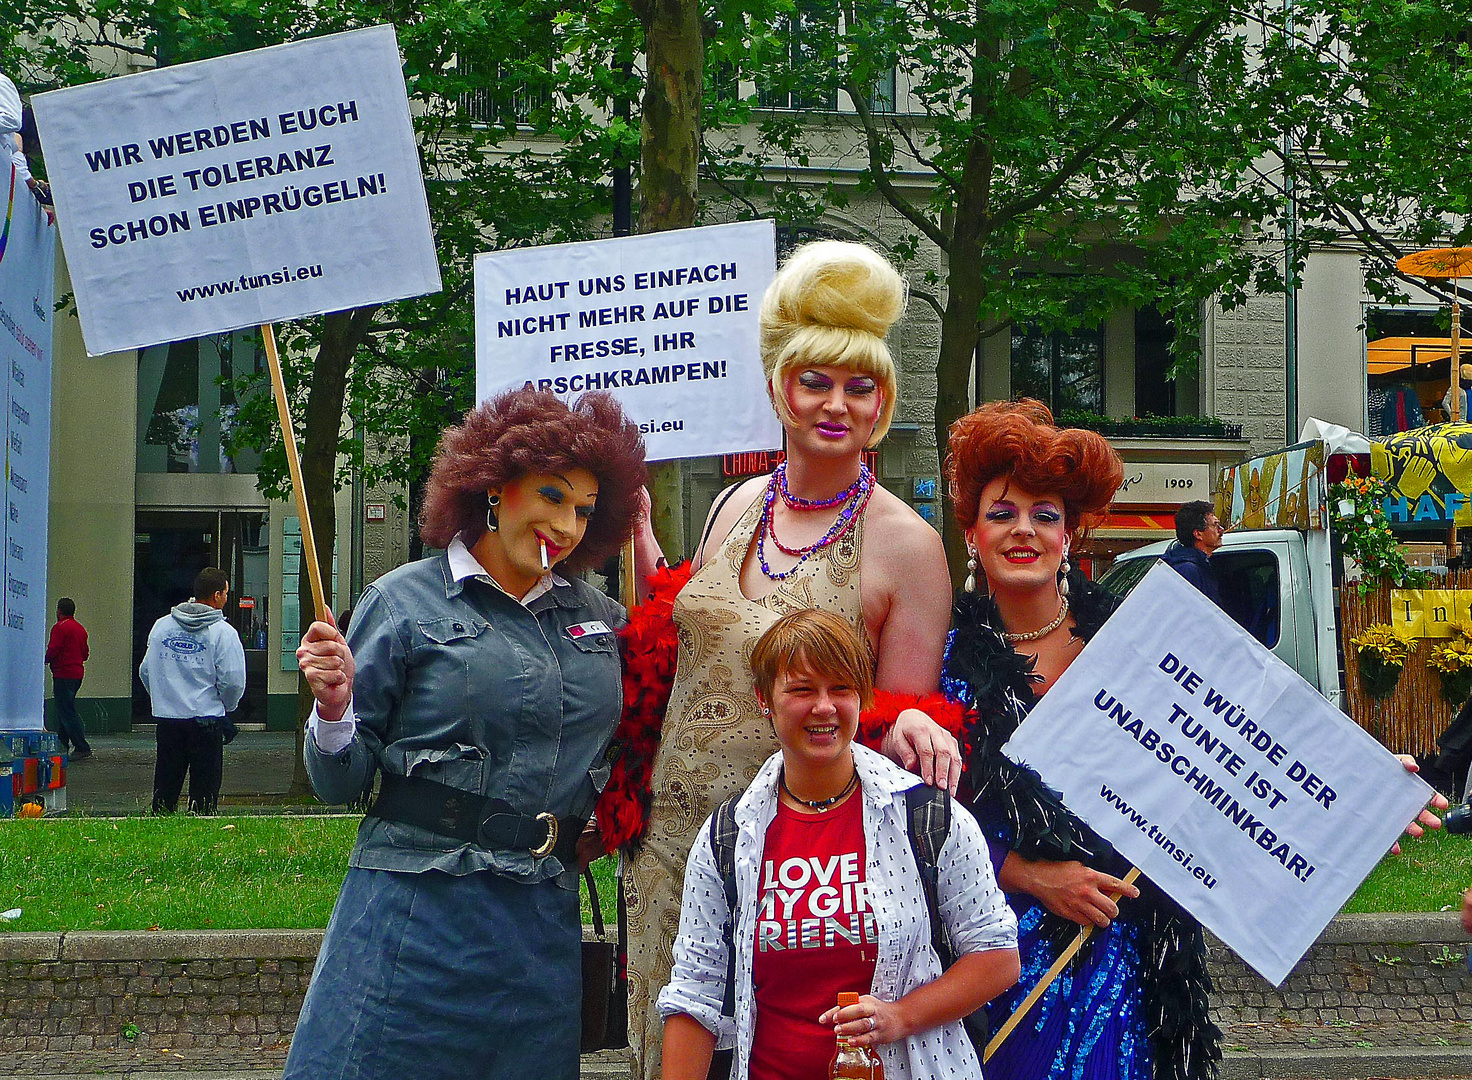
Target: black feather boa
{"points": [[1186, 1044]]}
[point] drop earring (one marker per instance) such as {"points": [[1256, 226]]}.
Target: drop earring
{"points": [[492, 502], [1063, 569], [970, 585]]}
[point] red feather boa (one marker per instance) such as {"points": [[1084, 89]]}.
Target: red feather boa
{"points": [[875, 721], [650, 650]]}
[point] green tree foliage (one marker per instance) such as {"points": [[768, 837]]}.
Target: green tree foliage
{"points": [[1072, 158]]}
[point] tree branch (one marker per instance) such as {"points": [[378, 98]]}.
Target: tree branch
{"points": [[882, 181], [1086, 153]]}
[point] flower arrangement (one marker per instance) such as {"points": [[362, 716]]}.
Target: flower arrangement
{"points": [[1452, 663], [1358, 505], [1382, 654]]}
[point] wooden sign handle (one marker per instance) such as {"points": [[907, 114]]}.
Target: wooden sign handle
{"points": [[1048, 977], [629, 580], [294, 465]]}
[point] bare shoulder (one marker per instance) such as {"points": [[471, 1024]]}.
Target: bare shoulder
{"points": [[726, 510], [899, 537]]}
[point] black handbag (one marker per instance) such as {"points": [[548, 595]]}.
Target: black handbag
{"points": [[605, 980]]}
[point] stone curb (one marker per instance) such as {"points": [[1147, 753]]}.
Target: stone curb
{"points": [[1400, 928], [1392, 928], [103, 945], [1410, 1063], [83, 945]]}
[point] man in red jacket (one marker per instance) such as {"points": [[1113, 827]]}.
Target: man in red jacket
{"points": [[66, 653]]}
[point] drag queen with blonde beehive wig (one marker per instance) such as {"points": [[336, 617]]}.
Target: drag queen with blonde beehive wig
{"points": [[775, 544], [832, 304]]}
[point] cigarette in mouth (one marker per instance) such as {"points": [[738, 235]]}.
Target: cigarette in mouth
{"points": [[543, 545]]}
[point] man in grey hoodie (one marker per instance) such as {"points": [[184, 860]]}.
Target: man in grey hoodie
{"points": [[194, 672]]}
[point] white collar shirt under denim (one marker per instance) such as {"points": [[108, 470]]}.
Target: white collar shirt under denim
{"points": [[976, 915]]}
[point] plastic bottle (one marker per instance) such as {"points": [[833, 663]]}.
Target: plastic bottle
{"points": [[852, 1062]]}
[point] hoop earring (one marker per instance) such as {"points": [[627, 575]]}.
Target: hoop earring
{"points": [[1063, 569], [492, 502], [970, 585]]}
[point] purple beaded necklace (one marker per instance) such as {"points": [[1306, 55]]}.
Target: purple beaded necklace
{"points": [[779, 474], [857, 498]]}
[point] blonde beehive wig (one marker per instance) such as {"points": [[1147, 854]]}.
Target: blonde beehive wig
{"points": [[831, 305]]}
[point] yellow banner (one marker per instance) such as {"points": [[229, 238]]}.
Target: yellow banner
{"points": [[1430, 613]]}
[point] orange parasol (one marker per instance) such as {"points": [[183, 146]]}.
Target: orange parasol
{"points": [[1437, 263], [1445, 263]]}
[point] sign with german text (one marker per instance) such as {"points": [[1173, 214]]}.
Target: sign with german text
{"points": [[27, 271], [1219, 772], [667, 323], [253, 188]]}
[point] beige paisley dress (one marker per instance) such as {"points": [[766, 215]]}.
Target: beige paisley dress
{"points": [[713, 742]]}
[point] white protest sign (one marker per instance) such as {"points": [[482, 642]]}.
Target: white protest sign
{"points": [[250, 189], [1219, 772], [666, 322], [27, 270]]}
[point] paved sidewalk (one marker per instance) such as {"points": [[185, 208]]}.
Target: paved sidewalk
{"points": [[1396, 1053], [118, 777]]}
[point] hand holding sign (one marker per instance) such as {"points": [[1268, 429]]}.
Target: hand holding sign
{"points": [[1217, 770]]}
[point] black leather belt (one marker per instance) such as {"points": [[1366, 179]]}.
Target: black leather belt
{"points": [[493, 824]]}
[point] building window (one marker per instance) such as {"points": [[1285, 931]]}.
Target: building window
{"points": [[799, 61], [187, 404], [512, 104], [1408, 368], [1155, 389], [1064, 369]]}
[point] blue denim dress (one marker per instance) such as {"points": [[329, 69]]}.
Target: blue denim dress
{"points": [[442, 958]]}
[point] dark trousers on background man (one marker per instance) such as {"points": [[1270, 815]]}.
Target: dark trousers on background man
{"points": [[193, 745], [68, 721]]}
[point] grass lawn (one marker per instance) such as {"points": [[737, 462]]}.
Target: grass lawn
{"points": [[1429, 874], [183, 873]]}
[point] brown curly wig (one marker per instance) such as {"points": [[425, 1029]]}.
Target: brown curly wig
{"points": [[1018, 439], [523, 431]]}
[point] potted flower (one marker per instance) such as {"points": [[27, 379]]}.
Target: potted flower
{"points": [[1382, 654], [1452, 663], [1364, 533]]}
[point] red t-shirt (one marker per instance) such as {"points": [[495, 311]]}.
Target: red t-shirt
{"points": [[815, 937]]}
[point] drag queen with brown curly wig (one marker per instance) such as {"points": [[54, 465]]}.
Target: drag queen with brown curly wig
{"points": [[483, 686], [1135, 1006]]}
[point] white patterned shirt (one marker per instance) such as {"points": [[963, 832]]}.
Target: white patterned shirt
{"points": [[976, 915]]}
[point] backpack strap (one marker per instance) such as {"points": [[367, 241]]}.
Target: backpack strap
{"points": [[723, 848], [928, 810]]}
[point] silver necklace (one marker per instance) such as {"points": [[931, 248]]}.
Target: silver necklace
{"points": [[1033, 635]]}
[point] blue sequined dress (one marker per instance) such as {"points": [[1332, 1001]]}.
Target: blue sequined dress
{"points": [[1090, 1023]]}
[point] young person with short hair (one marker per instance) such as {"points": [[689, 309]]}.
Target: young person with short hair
{"points": [[829, 895]]}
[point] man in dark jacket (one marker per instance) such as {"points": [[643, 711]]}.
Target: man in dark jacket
{"points": [[1198, 534], [66, 653]]}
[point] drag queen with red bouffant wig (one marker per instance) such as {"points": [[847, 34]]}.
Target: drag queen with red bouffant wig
{"points": [[819, 532], [1135, 1006]]}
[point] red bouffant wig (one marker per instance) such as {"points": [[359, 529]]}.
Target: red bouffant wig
{"points": [[1017, 439], [526, 431]]}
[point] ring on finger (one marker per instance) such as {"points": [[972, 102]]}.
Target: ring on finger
{"points": [[872, 1024]]}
